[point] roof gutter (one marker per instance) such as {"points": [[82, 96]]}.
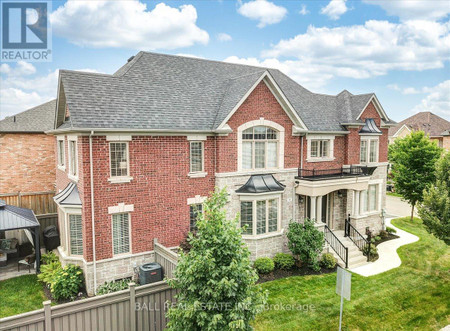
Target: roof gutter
{"points": [[91, 170], [106, 130]]}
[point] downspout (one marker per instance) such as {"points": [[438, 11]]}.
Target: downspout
{"points": [[92, 211]]}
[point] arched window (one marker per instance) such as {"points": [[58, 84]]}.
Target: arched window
{"points": [[260, 146]]}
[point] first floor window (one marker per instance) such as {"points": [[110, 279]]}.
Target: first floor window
{"points": [[119, 159], [259, 216], [196, 156], [369, 199], [121, 233], [320, 148], [61, 153], [194, 211], [76, 236], [73, 162]]}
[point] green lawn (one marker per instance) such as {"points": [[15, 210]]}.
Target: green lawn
{"points": [[415, 296], [20, 294]]}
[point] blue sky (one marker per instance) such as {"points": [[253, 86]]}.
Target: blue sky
{"points": [[398, 49]]}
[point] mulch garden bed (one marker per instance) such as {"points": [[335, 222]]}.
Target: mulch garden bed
{"points": [[390, 236], [48, 294], [295, 271]]}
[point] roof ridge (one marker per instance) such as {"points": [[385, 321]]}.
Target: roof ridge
{"points": [[130, 64], [252, 73], [86, 73]]}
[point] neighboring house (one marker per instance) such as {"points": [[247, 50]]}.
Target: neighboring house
{"points": [[140, 150], [27, 154], [434, 126]]}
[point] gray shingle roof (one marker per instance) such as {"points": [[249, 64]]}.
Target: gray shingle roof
{"points": [[166, 92], [37, 119], [424, 121]]}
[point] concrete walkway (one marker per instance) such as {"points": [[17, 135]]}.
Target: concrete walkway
{"points": [[387, 251]]}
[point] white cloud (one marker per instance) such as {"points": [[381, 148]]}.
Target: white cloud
{"points": [[335, 9], [21, 89], [437, 101], [224, 37], [372, 49], [263, 11], [303, 11], [405, 90], [414, 9], [127, 24], [310, 77]]}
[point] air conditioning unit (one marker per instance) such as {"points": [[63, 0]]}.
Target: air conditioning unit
{"points": [[150, 273]]}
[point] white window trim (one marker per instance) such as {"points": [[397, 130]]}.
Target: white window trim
{"points": [[253, 198], [330, 157], [378, 182], [368, 139], [261, 122], [196, 200], [120, 208], [130, 250], [75, 139], [120, 179], [118, 138], [201, 173], [58, 139]]}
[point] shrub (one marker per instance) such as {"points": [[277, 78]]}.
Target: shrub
{"points": [[264, 265], [113, 286], [384, 234], [390, 230], [328, 261], [49, 258], [216, 270], [48, 272], [373, 251], [377, 238], [284, 261], [306, 241], [68, 281]]}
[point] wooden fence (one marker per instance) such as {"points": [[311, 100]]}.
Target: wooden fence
{"points": [[141, 308], [40, 202]]}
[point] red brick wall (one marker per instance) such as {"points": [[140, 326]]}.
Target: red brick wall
{"points": [[338, 153], [159, 191], [260, 103], [27, 162]]}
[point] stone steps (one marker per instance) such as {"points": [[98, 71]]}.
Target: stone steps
{"points": [[355, 256]]}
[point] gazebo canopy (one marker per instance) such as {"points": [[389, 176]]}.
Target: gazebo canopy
{"points": [[15, 218]]}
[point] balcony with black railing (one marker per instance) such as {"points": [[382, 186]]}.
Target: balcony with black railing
{"points": [[324, 174]]}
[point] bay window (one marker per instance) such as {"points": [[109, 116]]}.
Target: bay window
{"points": [[260, 146], [75, 235], [260, 216]]}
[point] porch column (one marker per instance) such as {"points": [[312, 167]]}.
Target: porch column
{"points": [[313, 208], [319, 209], [356, 203]]}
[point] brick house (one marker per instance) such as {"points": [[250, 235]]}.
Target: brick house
{"points": [[139, 151], [437, 128], [22, 136]]}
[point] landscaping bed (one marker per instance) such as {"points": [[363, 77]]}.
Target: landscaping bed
{"points": [[413, 296]]}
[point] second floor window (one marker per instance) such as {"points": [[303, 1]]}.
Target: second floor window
{"points": [[196, 156], [320, 148], [259, 148], [119, 159], [368, 150], [61, 155], [73, 162]]}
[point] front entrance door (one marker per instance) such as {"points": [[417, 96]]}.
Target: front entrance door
{"points": [[327, 209]]}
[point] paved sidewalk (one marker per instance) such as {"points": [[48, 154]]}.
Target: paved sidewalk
{"points": [[387, 251]]}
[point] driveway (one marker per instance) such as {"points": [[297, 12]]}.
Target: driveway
{"points": [[395, 206]]}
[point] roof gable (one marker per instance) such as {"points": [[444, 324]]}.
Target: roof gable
{"points": [[428, 122]]}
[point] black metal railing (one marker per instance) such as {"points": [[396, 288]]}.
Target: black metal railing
{"points": [[352, 171], [358, 239], [336, 245]]}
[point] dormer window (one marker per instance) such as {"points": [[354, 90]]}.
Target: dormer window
{"points": [[259, 148]]}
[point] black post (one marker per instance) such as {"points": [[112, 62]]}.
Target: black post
{"points": [[37, 249], [369, 239], [346, 257]]}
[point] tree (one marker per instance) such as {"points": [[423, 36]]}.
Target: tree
{"points": [[435, 208], [215, 279], [306, 241], [413, 161]]}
